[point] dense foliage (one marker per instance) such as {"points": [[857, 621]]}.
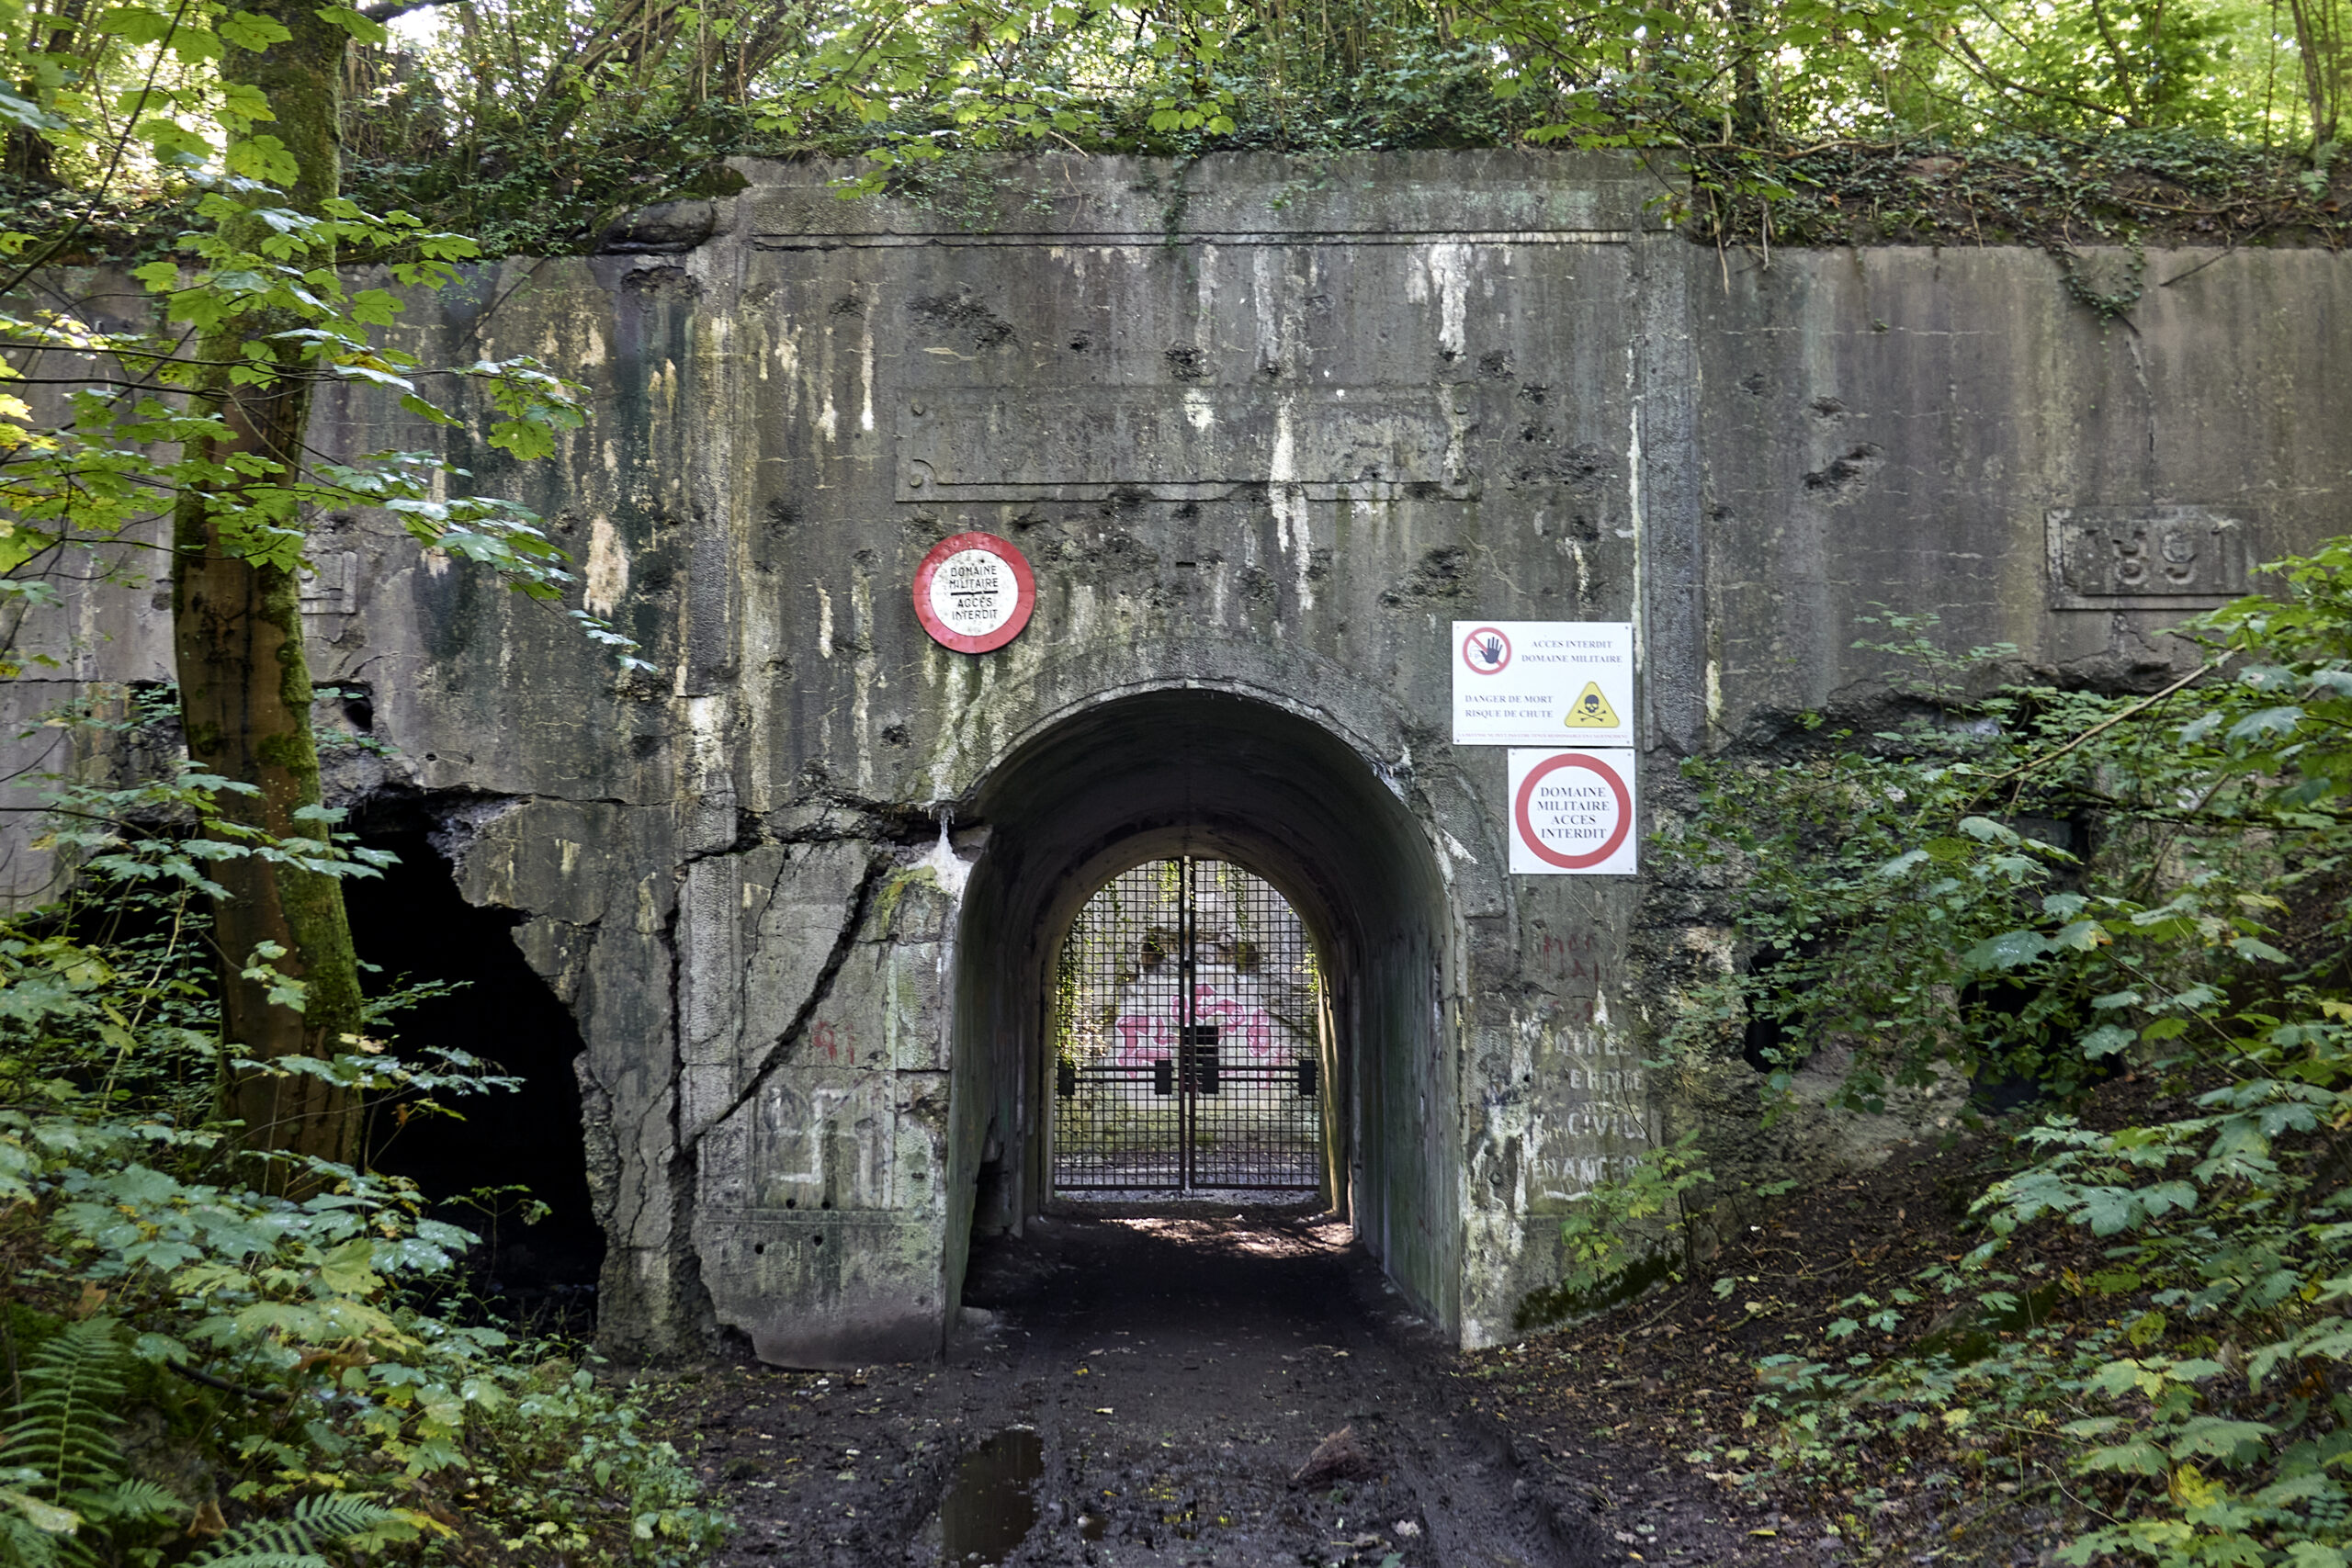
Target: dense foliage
{"points": [[509, 102], [2030, 890], [211, 1367], [530, 124], [228, 1341]]}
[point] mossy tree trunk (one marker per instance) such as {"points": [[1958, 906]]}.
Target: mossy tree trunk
{"points": [[2320, 28], [245, 682]]}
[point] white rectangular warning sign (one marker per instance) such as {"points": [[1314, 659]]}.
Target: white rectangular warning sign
{"points": [[1572, 813], [1542, 682]]}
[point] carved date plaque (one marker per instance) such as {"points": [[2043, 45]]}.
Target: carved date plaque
{"points": [[2145, 557]]}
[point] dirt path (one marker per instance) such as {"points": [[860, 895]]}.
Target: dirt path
{"points": [[1171, 1382]]}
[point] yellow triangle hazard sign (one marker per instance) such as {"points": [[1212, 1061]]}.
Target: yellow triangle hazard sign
{"points": [[1591, 710]]}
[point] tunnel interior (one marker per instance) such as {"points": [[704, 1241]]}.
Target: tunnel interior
{"points": [[481, 1167], [1232, 778]]}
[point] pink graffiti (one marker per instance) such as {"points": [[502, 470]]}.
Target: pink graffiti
{"points": [[1243, 1027]]}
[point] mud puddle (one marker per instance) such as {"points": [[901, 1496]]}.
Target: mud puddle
{"points": [[991, 1505]]}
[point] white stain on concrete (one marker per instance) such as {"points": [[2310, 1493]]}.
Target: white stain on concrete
{"points": [[1267, 299], [865, 377], [952, 870], [1449, 283], [788, 368], [1293, 534], [861, 710], [829, 418], [607, 578]]}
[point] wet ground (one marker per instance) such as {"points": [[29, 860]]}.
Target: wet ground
{"points": [[1181, 1389]]}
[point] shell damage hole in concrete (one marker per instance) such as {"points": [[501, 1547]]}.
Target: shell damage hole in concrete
{"points": [[992, 1505], [512, 1149]]}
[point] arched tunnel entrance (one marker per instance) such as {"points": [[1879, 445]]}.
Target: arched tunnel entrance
{"points": [[1216, 777]]}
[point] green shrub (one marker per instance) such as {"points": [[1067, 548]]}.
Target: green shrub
{"points": [[2195, 1387], [306, 1340]]}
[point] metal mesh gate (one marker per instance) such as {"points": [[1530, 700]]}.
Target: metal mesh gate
{"points": [[1185, 1039]]}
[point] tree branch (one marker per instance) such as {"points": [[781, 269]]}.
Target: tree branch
{"points": [[385, 10], [223, 1384]]}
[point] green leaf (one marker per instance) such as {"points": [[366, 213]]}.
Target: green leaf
{"points": [[350, 1269], [2080, 936], [2138, 1457], [2107, 1039], [2234, 1441], [360, 27], [259, 157], [2268, 721], [527, 439], [47, 1517], [29, 115], [2008, 950], [135, 24], [252, 31]]}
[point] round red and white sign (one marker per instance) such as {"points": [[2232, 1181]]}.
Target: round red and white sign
{"points": [[1486, 650], [1573, 810], [974, 593]]}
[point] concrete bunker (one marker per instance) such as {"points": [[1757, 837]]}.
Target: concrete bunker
{"points": [[1263, 428], [1233, 777]]}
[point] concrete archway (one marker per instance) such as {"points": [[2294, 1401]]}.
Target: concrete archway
{"points": [[1206, 771]]}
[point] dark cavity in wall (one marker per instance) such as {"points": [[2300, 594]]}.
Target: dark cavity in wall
{"points": [[414, 926]]}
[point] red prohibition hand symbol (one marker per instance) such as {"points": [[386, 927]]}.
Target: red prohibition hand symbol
{"points": [[1486, 650], [1521, 809]]}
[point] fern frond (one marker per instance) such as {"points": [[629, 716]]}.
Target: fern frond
{"points": [[23, 1546], [61, 1426], [136, 1502], [289, 1542]]}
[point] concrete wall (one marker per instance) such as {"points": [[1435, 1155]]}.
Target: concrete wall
{"points": [[1262, 427]]}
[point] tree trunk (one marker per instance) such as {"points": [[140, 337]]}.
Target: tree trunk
{"points": [[245, 683], [2319, 38], [1750, 123], [27, 155]]}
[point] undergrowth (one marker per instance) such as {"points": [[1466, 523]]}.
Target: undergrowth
{"points": [[222, 1361], [525, 195], [2126, 188], [2146, 1324]]}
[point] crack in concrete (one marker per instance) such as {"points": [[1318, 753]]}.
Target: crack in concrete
{"points": [[877, 867]]}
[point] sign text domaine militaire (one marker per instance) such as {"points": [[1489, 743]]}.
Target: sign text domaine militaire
{"points": [[974, 593], [1533, 685]]}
